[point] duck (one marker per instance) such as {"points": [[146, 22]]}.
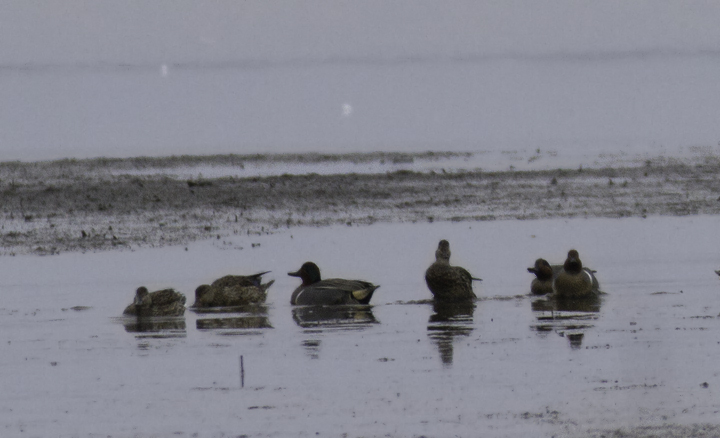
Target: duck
{"points": [[542, 284], [316, 291], [717, 272], [166, 302], [233, 290], [574, 281], [449, 283]]}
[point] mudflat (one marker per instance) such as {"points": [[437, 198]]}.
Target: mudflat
{"points": [[101, 204]]}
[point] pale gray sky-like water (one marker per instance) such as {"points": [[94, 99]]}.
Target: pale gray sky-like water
{"points": [[100, 78]]}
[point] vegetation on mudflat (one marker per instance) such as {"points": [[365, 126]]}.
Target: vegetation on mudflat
{"points": [[64, 205]]}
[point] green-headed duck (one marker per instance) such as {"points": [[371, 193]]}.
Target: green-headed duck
{"points": [[316, 291], [574, 281]]}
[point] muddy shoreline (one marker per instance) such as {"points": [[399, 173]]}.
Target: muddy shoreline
{"points": [[98, 204]]}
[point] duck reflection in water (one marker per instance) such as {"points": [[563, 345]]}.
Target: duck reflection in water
{"points": [[334, 318], [156, 327], [568, 318], [450, 320], [320, 321], [240, 320]]}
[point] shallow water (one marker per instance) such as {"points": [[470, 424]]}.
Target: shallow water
{"points": [[510, 365]]}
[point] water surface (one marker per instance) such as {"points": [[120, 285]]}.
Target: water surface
{"points": [[576, 106], [509, 365]]}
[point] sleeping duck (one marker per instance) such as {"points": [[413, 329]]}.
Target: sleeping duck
{"points": [[166, 302]]}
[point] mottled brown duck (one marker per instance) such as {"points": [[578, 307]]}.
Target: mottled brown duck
{"points": [[166, 302], [233, 290], [542, 284], [446, 282]]}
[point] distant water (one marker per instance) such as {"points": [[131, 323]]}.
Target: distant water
{"points": [[578, 108]]}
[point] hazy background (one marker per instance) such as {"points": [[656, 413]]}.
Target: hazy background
{"points": [[108, 78]]}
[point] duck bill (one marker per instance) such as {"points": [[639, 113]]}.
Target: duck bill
{"points": [[294, 274]]}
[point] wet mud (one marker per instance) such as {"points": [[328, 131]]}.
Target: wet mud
{"points": [[103, 204]]}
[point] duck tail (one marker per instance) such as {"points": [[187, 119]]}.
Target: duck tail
{"points": [[256, 279], [363, 295], [267, 285]]}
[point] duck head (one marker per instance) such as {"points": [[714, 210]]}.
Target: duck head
{"points": [[542, 270], [572, 263], [142, 296], [443, 251], [203, 293], [308, 272]]}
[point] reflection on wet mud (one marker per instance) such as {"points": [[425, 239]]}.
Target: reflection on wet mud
{"points": [[245, 320], [317, 320], [568, 318], [449, 321], [156, 327]]}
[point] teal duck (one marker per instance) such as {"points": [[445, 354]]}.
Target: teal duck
{"points": [[233, 290], [574, 281], [166, 302], [448, 283], [542, 284], [316, 291]]}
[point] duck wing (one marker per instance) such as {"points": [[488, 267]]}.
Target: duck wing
{"points": [[449, 283], [358, 289], [166, 297], [241, 295], [465, 274], [593, 279], [335, 291], [239, 280]]}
